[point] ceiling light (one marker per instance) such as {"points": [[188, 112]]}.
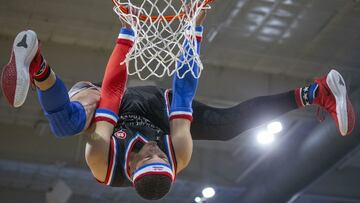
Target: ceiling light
{"points": [[274, 127], [197, 199], [265, 137], [208, 192]]}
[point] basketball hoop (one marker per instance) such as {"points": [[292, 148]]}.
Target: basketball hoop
{"points": [[161, 28]]}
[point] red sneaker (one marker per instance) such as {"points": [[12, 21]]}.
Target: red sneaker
{"points": [[15, 77], [332, 96]]}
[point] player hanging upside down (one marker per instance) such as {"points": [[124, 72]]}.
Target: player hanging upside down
{"points": [[142, 136]]}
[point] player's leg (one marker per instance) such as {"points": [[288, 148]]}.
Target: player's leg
{"points": [[27, 65], [212, 123], [328, 92]]}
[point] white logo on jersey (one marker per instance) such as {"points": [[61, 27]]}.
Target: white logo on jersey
{"points": [[120, 134]]}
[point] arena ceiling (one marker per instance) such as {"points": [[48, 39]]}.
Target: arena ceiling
{"points": [[251, 48]]}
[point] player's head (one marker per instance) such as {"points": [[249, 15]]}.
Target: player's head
{"points": [[153, 175]]}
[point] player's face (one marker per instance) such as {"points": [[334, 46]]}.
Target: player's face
{"points": [[151, 153]]}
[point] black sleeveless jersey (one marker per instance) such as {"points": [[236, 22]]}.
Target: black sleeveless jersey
{"points": [[150, 102], [143, 118]]}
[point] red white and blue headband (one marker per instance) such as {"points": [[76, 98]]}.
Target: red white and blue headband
{"points": [[153, 169]]}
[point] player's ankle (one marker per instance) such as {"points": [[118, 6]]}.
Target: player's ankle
{"points": [[40, 72], [305, 96], [47, 83], [40, 68]]}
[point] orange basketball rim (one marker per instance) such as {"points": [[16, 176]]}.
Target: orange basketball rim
{"points": [[125, 10]]}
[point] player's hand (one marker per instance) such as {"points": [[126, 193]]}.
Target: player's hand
{"points": [[201, 17], [124, 23], [133, 14]]}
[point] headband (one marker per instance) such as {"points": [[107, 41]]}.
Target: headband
{"points": [[153, 169]]}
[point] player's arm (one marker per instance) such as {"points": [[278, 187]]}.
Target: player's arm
{"points": [[106, 115], [184, 90]]}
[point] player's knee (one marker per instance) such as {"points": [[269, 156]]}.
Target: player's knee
{"points": [[69, 121]]}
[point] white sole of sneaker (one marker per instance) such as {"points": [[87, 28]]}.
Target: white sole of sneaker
{"points": [[337, 86], [24, 54]]}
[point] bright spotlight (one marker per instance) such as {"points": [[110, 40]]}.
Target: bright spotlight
{"points": [[208, 192], [265, 137], [197, 199], [274, 127]]}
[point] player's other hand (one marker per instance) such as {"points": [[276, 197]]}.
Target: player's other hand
{"points": [[189, 9], [124, 23], [201, 17], [133, 15]]}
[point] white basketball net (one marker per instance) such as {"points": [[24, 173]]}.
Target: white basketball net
{"points": [[159, 42]]}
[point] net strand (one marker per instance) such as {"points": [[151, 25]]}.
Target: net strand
{"points": [[160, 38]]}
